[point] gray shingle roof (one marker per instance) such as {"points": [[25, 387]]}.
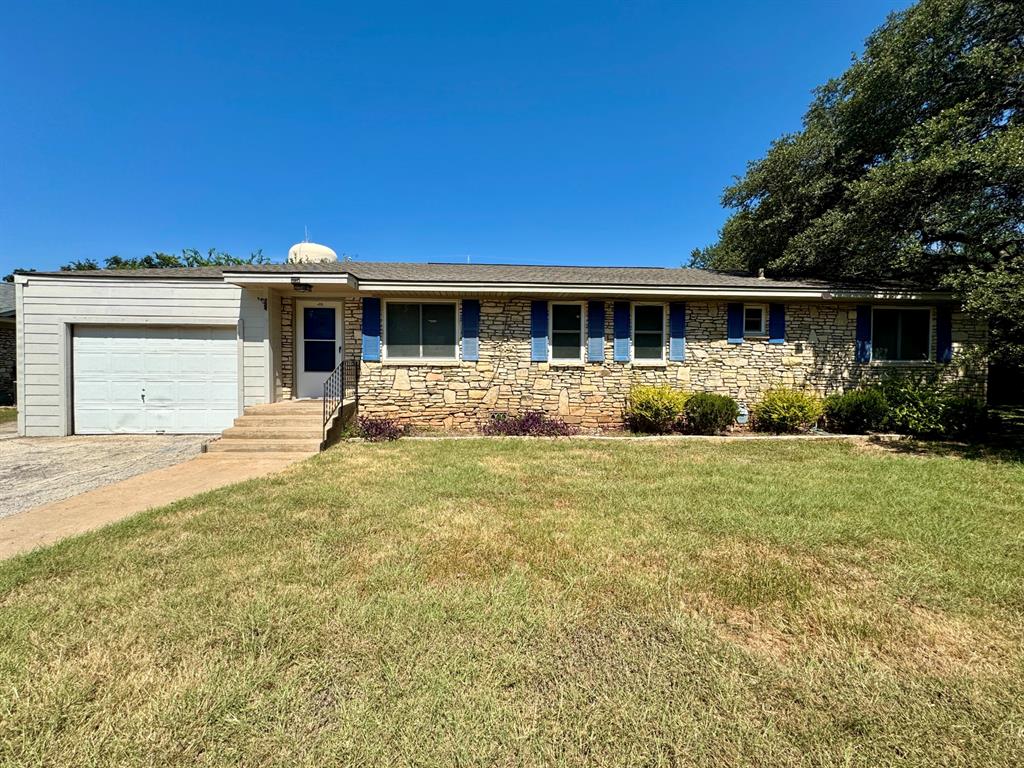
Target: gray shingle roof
{"points": [[212, 273], [6, 299], [488, 273]]}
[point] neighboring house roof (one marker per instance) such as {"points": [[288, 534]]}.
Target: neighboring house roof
{"points": [[6, 300]]}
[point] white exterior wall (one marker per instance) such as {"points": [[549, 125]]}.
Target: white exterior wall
{"points": [[255, 346], [50, 306]]}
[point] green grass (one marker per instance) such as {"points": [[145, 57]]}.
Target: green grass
{"points": [[8, 414], [536, 603]]}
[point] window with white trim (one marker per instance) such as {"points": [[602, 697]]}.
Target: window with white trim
{"points": [[901, 334], [648, 332], [566, 332], [420, 330], [755, 320]]}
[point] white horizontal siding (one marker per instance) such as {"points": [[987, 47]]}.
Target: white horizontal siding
{"points": [[254, 349], [49, 305]]}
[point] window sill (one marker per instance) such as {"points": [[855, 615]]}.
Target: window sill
{"points": [[901, 363], [649, 364], [567, 364], [422, 362], [756, 337]]}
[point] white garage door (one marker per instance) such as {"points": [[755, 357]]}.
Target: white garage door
{"points": [[138, 380]]}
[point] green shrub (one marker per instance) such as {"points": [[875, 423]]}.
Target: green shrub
{"points": [[857, 411], [965, 417], [655, 409], [786, 410], [710, 414], [915, 405]]}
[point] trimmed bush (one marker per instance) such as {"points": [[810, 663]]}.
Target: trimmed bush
{"points": [[656, 410], [923, 407], [531, 424], [857, 412], [380, 430], [915, 405], [966, 417], [786, 410], [710, 414]]}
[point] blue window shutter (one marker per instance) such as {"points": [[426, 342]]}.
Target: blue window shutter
{"points": [[734, 323], [595, 332], [470, 329], [776, 323], [371, 330], [539, 331], [863, 333], [621, 321], [677, 331], [944, 334]]}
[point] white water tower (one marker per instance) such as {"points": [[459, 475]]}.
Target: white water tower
{"points": [[311, 253]]}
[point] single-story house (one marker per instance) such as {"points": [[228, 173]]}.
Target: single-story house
{"points": [[447, 345], [7, 345]]}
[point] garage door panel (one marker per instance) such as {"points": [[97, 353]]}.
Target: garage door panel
{"points": [[120, 419], [124, 363], [188, 375], [160, 362], [203, 364], [119, 392], [160, 393], [224, 366], [92, 392], [207, 394], [98, 419], [91, 362], [161, 420]]}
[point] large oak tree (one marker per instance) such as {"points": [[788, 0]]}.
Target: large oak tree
{"points": [[909, 166]]}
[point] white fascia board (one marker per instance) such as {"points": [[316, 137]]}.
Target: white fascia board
{"points": [[287, 278], [879, 294], [369, 286], [31, 277]]}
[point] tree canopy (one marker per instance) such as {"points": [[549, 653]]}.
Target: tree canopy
{"points": [[190, 257], [910, 165]]}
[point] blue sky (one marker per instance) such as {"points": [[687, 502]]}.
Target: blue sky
{"points": [[532, 132]]}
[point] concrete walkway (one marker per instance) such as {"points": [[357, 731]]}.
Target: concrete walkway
{"points": [[51, 522]]}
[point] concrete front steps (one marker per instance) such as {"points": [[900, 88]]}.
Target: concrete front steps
{"points": [[291, 426]]}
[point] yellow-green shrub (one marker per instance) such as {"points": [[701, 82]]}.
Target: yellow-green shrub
{"points": [[655, 409], [786, 410]]}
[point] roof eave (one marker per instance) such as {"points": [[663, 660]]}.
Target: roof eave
{"points": [[24, 278], [581, 289], [281, 279], [887, 294]]}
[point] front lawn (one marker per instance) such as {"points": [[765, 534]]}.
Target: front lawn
{"points": [[483, 602], [8, 414]]}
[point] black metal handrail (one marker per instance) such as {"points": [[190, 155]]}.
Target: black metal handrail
{"points": [[335, 388]]}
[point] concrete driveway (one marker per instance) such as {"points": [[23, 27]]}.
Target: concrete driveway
{"points": [[40, 470]]}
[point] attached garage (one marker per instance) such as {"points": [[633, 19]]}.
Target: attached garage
{"points": [[139, 379]]}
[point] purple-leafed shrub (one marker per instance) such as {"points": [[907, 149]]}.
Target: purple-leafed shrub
{"points": [[531, 423], [380, 430]]}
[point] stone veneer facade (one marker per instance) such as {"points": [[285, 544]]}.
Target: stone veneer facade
{"points": [[287, 348], [818, 354], [7, 366]]}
